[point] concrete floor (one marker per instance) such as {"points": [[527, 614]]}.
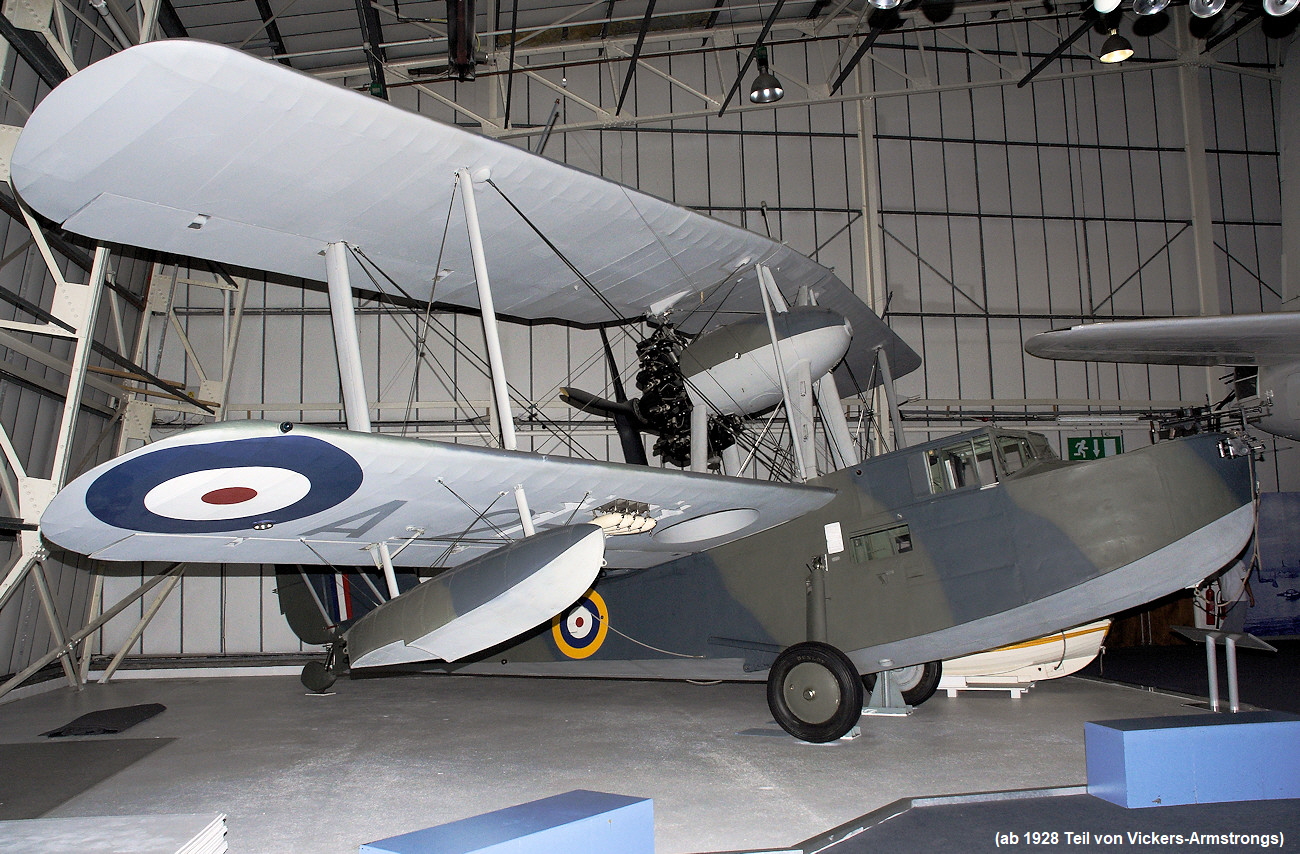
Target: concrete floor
{"points": [[380, 757]]}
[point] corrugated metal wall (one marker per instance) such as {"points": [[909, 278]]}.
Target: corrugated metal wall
{"points": [[1002, 212]]}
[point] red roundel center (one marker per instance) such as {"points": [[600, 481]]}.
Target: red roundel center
{"points": [[579, 622], [230, 495]]}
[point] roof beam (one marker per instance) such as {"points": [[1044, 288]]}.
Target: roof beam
{"points": [[272, 30], [372, 33], [749, 60], [636, 55]]}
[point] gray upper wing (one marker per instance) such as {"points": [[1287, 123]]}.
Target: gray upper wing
{"points": [[199, 150], [1237, 339]]}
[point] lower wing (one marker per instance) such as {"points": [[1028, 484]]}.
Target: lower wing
{"points": [[259, 492]]}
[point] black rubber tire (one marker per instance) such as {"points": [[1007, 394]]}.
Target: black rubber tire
{"points": [[316, 677], [918, 688], [814, 692]]}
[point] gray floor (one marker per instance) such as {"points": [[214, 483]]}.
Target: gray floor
{"points": [[380, 757]]}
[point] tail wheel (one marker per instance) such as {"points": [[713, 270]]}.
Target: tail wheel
{"points": [[814, 692], [916, 683], [318, 676]]}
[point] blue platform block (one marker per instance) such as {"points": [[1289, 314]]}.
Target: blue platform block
{"points": [[1194, 759], [575, 821]]}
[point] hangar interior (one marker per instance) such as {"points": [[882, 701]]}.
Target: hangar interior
{"points": [[970, 169]]}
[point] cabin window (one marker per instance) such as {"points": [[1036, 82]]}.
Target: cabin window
{"points": [[877, 545], [1016, 453], [968, 462]]}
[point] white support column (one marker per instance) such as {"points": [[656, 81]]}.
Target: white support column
{"points": [[390, 574], [496, 364], [504, 415], [346, 347], [731, 462], [95, 609], [525, 512], [80, 358], [1288, 107], [152, 611], [699, 433], [802, 427], [1198, 181], [887, 383], [766, 287], [877, 292], [843, 452], [56, 623]]}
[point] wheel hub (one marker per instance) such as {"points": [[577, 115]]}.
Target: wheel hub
{"points": [[812, 692]]}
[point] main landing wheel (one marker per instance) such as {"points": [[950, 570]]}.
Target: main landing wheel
{"points": [[814, 692], [916, 683]]}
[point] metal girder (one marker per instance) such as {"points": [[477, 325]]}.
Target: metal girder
{"points": [[867, 41], [749, 60], [1089, 18], [372, 33], [272, 30], [636, 55], [36, 52]]}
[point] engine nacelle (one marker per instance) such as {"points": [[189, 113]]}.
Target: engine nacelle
{"points": [[734, 367], [1280, 384]]}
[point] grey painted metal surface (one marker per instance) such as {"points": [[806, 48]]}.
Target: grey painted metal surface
{"points": [[1046, 547], [1235, 339]]}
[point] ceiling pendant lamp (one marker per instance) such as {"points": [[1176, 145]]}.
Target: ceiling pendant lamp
{"points": [[1115, 49], [766, 89]]}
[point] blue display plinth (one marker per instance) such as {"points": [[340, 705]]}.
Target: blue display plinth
{"points": [[1194, 759], [575, 821]]}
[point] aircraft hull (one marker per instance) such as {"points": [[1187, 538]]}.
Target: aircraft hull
{"points": [[987, 567]]}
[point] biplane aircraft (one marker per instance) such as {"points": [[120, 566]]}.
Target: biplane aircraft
{"points": [[544, 564]]}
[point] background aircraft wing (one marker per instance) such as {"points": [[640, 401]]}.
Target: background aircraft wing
{"points": [[1237, 339], [253, 492], [199, 150]]}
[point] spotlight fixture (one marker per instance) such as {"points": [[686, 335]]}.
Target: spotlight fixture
{"points": [[1278, 8], [766, 88], [884, 4], [1149, 7], [1115, 49], [1105, 7], [1207, 8]]}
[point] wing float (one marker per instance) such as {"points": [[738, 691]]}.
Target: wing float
{"points": [[203, 151]]}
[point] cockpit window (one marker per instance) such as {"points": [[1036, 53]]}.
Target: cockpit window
{"points": [[984, 459], [1015, 452], [968, 462]]}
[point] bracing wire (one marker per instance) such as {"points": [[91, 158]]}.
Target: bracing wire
{"points": [[366, 263]]}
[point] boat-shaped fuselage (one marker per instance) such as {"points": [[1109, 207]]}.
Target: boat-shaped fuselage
{"points": [[942, 549]]}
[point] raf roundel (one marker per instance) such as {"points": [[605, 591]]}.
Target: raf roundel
{"points": [[225, 486], [581, 630]]}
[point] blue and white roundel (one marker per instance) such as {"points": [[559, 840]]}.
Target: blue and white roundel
{"points": [[224, 486]]}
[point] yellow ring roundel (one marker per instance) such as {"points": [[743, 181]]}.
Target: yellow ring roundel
{"points": [[581, 630]]}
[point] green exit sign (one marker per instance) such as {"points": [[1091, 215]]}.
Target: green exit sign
{"points": [[1094, 447]]}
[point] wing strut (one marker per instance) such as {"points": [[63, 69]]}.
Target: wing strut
{"points": [[346, 348], [767, 285], [895, 417], [496, 364]]}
